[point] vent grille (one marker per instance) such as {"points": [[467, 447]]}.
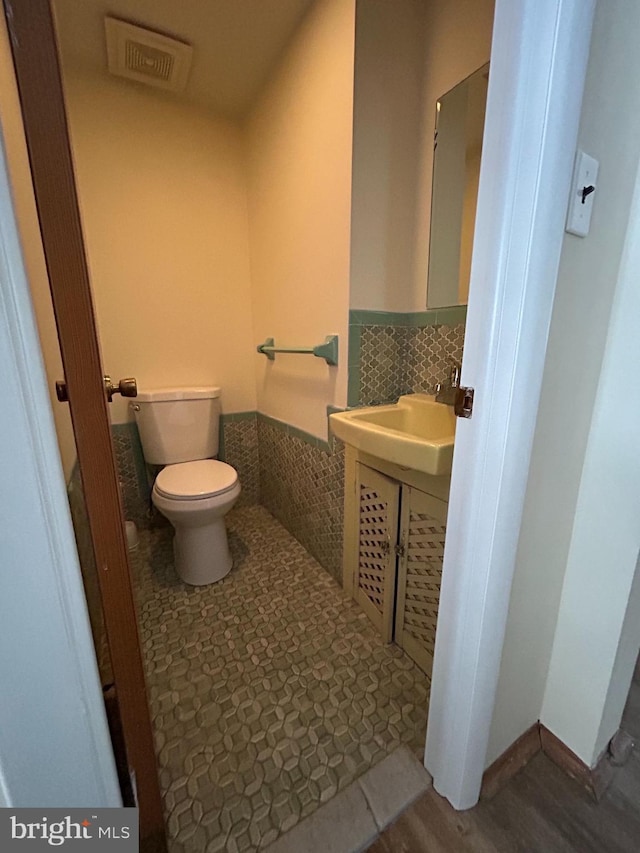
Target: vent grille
{"points": [[148, 60], [146, 56]]}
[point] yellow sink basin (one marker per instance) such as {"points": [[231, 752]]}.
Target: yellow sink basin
{"points": [[416, 432]]}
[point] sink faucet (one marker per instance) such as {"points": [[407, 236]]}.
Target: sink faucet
{"points": [[447, 393]]}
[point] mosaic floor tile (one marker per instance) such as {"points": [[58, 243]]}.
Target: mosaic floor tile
{"points": [[269, 691]]}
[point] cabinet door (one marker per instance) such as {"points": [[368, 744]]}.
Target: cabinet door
{"points": [[378, 498], [422, 527]]}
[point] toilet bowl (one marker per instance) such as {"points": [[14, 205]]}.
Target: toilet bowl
{"points": [[180, 429], [195, 497]]}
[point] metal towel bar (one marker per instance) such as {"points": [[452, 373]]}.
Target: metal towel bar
{"points": [[327, 350]]}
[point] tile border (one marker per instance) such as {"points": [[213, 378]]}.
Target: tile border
{"points": [[233, 417], [436, 316]]}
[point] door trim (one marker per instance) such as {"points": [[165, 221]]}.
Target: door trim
{"points": [[36, 64], [538, 66]]}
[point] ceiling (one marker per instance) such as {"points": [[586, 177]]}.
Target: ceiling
{"points": [[236, 42]]}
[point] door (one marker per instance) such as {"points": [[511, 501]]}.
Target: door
{"points": [[378, 499], [34, 51]]}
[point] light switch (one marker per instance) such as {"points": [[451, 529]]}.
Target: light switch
{"points": [[583, 190]]}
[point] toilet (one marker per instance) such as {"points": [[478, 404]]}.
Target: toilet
{"points": [[180, 429]]}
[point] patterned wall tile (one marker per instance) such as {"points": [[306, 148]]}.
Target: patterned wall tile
{"points": [[430, 352], [396, 360], [240, 449], [302, 485], [382, 363], [135, 481]]}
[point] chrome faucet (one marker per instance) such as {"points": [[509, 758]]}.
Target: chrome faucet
{"points": [[447, 393]]}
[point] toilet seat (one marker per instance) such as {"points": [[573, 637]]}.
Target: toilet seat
{"points": [[189, 481]]}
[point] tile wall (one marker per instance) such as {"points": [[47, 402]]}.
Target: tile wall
{"points": [[135, 480], [393, 353], [302, 485], [239, 447]]}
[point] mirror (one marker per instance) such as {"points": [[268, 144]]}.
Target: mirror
{"points": [[457, 150]]}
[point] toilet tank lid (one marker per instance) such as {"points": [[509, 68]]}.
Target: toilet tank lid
{"points": [[186, 392]]}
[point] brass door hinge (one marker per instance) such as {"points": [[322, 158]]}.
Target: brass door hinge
{"points": [[463, 405]]}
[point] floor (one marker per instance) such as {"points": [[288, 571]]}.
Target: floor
{"points": [[269, 691], [357, 815], [541, 810]]}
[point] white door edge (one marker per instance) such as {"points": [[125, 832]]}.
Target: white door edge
{"points": [[57, 751], [538, 66]]}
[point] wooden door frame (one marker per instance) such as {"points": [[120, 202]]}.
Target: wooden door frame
{"points": [[32, 34]]}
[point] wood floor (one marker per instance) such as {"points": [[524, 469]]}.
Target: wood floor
{"points": [[541, 810]]}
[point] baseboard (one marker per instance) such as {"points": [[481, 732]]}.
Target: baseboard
{"points": [[504, 768], [538, 738], [565, 759]]}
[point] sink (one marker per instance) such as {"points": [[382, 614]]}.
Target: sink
{"points": [[415, 433]]}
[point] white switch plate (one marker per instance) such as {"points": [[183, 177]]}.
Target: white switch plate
{"points": [[585, 177]]}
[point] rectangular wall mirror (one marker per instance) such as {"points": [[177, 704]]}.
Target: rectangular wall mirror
{"points": [[456, 169]]}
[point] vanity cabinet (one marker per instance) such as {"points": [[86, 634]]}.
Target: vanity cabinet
{"points": [[395, 522]]}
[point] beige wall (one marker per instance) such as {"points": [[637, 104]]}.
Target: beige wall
{"points": [[299, 150], [457, 43], [162, 195], [408, 54], [386, 150], [26, 215], [563, 506]]}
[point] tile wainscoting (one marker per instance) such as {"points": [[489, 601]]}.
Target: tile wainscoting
{"points": [[392, 353], [239, 448], [135, 479], [302, 485]]}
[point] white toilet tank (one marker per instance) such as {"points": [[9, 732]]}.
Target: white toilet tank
{"points": [[178, 424]]}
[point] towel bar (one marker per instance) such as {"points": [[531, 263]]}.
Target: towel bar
{"points": [[327, 350]]}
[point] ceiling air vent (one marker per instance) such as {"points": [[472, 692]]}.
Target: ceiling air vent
{"points": [[148, 57]]}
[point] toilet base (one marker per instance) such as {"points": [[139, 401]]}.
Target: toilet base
{"points": [[202, 553]]}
